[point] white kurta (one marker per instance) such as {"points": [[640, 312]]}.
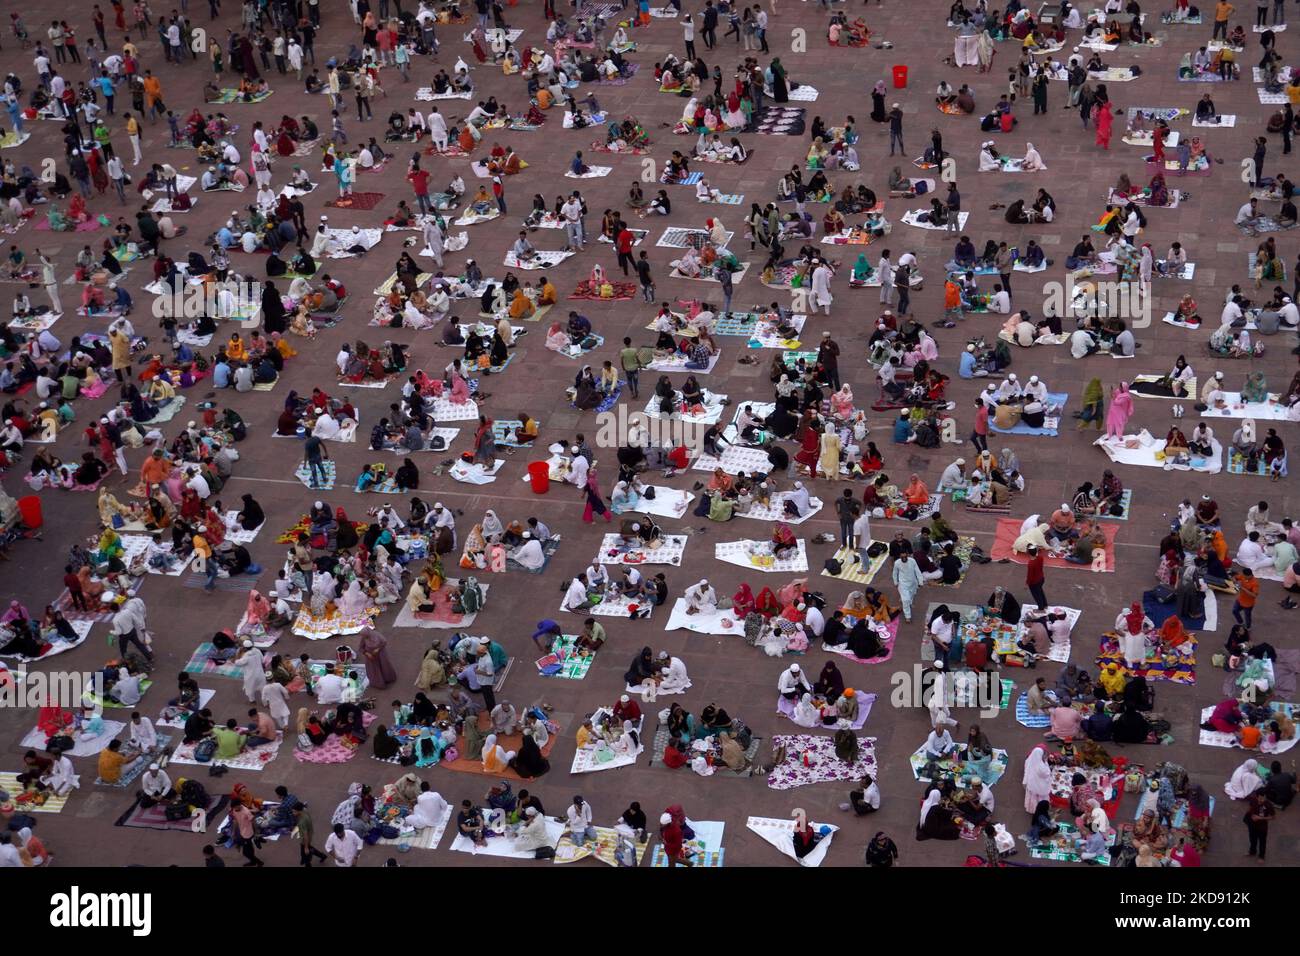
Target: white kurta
{"points": [[254, 669], [429, 808], [276, 698]]}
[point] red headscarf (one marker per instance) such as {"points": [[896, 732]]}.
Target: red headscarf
{"points": [[1134, 618]]}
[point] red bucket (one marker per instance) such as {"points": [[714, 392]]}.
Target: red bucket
{"points": [[539, 476]]}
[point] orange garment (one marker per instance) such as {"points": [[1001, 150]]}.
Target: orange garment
{"points": [[1247, 590], [951, 296], [112, 761], [154, 471], [466, 139], [1172, 632], [1250, 737], [1219, 544], [152, 90]]}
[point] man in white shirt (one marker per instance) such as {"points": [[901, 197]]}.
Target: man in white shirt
{"points": [[575, 598], [674, 673], [1289, 314], [578, 469], [579, 821], [344, 846], [792, 683], [1248, 217], [864, 800], [814, 621], [701, 597], [198, 484], [885, 269], [437, 129], [1000, 301], [142, 735], [1232, 313], [155, 785], [329, 688], [1082, 344], [1124, 343]]}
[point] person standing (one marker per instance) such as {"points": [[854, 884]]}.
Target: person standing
{"points": [[50, 281], [303, 824], [885, 269], [1223, 10], [124, 629], [419, 180], [648, 283], [1003, 262], [861, 539], [896, 129], [688, 34], [903, 282], [907, 578], [847, 510], [499, 193], [673, 840], [979, 436], [1258, 812], [1243, 608], [623, 242], [828, 357], [710, 27], [314, 455], [133, 137], [631, 365], [245, 832], [118, 177], [344, 846], [1034, 577]]}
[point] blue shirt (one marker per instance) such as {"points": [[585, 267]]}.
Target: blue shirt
{"points": [[106, 86], [902, 429], [966, 367], [221, 375]]}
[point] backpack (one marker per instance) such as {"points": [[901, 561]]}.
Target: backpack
{"points": [[833, 567], [206, 750], [741, 733], [876, 549]]}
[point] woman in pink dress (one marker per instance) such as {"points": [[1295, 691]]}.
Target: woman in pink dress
{"points": [[459, 390], [1117, 416]]}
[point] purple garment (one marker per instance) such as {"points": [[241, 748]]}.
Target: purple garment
{"points": [[379, 669]]}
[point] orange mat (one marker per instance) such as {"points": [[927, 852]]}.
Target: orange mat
{"points": [[1009, 530], [508, 742]]}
